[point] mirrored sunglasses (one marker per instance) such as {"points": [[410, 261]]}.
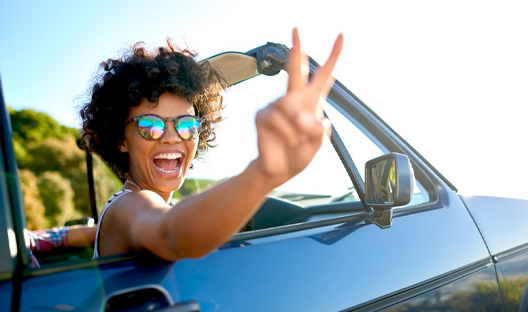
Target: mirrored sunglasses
{"points": [[152, 127]]}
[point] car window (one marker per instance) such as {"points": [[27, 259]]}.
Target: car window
{"points": [[363, 146], [324, 180]]}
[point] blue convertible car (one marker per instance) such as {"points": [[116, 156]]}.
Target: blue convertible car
{"points": [[369, 225]]}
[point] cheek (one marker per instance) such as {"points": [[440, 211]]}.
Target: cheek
{"points": [[138, 149], [192, 147]]}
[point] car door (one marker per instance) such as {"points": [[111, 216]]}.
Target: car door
{"points": [[325, 256], [502, 222]]}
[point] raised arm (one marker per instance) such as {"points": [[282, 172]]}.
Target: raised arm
{"points": [[290, 131]]}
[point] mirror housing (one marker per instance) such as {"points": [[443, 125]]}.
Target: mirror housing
{"points": [[389, 182]]}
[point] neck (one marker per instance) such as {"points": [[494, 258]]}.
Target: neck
{"points": [[167, 198], [134, 184]]}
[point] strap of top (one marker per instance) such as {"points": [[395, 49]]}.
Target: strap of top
{"points": [[112, 198]]}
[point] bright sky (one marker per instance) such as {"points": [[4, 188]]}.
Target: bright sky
{"points": [[450, 76]]}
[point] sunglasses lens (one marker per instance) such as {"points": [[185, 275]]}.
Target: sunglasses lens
{"points": [[151, 128], [188, 128]]}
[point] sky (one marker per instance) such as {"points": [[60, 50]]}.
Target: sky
{"points": [[449, 76]]}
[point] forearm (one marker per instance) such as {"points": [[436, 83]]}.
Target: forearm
{"points": [[81, 236], [201, 223]]}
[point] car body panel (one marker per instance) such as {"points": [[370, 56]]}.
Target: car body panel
{"points": [[465, 294], [433, 250], [503, 222], [317, 269], [6, 295], [512, 272]]}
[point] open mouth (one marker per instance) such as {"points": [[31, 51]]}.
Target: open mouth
{"points": [[168, 163]]}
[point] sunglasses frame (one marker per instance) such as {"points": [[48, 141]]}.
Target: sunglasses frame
{"points": [[175, 120]]}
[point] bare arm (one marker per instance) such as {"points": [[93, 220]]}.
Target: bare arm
{"points": [[81, 236], [290, 131]]}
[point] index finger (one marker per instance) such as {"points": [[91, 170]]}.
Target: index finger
{"points": [[322, 79], [297, 66]]}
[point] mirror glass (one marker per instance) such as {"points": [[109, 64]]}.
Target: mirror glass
{"points": [[383, 186]]}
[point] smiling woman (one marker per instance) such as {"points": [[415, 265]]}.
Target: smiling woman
{"points": [[153, 112], [142, 77], [159, 157]]}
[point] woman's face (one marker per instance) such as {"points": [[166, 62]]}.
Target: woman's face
{"points": [[161, 165]]}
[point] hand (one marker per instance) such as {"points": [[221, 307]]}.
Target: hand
{"points": [[290, 130]]}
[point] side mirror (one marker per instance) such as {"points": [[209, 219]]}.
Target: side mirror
{"points": [[389, 182]]}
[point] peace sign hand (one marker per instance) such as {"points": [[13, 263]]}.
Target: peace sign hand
{"points": [[290, 130]]}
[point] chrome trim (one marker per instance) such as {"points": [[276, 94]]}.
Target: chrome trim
{"points": [[510, 253], [296, 227]]}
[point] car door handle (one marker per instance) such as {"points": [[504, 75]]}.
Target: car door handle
{"points": [[147, 298], [186, 306]]}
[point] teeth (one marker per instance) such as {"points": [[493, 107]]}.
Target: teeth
{"points": [[167, 171], [168, 156]]}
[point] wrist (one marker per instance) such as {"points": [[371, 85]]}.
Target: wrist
{"points": [[262, 181]]}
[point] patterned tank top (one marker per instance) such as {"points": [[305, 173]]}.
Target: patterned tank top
{"points": [[112, 198]]}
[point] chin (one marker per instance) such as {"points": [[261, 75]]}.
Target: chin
{"points": [[172, 185]]}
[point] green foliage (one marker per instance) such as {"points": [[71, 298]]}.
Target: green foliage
{"points": [[57, 196], [47, 152], [42, 145], [191, 186], [106, 183], [21, 153], [32, 126], [62, 156], [54, 154], [33, 205]]}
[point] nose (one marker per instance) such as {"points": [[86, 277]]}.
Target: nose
{"points": [[171, 136]]}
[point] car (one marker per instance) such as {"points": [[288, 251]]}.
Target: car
{"points": [[369, 225]]}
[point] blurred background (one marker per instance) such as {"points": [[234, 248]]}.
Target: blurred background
{"points": [[450, 76]]}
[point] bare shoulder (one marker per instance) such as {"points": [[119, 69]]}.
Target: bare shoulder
{"points": [[144, 199], [125, 218], [126, 209]]}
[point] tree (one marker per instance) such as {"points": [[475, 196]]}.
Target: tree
{"points": [[106, 182], [32, 126], [57, 195], [41, 144], [62, 156], [33, 206], [192, 186]]}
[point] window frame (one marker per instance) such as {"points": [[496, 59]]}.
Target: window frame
{"points": [[346, 103]]}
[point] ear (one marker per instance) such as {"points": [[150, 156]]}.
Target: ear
{"points": [[122, 147]]}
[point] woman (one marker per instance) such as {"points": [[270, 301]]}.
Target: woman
{"points": [[154, 154]]}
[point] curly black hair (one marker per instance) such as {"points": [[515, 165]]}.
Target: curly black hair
{"points": [[140, 73]]}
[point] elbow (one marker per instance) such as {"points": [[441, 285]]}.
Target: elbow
{"points": [[185, 240], [197, 247], [189, 245]]}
